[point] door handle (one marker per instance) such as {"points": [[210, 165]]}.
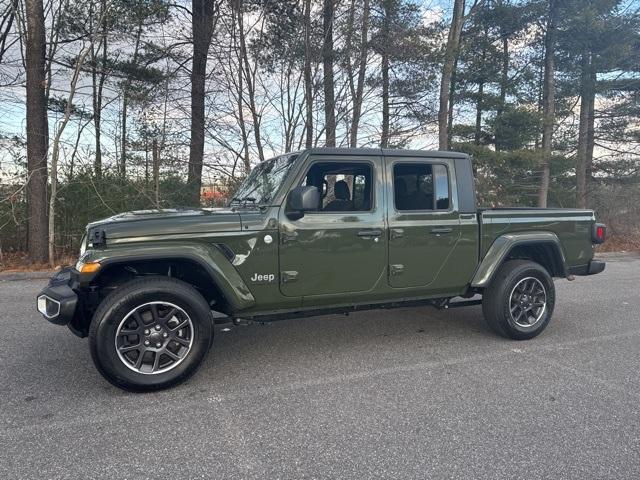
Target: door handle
{"points": [[289, 276], [396, 269], [288, 237], [441, 230], [376, 232], [397, 233]]}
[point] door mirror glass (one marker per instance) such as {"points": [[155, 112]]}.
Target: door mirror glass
{"points": [[303, 199]]}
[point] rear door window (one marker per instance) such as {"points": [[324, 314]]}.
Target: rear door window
{"points": [[420, 186]]}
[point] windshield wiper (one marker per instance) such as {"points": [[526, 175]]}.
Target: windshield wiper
{"points": [[244, 201]]}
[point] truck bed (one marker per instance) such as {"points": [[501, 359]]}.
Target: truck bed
{"points": [[572, 226]]}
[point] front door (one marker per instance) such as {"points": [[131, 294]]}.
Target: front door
{"points": [[424, 225], [340, 248]]}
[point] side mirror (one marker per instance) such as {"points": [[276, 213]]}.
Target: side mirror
{"points": [[303, 199]]}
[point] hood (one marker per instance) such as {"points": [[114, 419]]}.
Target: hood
{"points": [[145, 223]]}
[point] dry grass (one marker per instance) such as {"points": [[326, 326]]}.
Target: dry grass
{"points": [[621, 243], [20, 262]]}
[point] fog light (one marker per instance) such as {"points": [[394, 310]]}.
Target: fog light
{"points": [[48, 307]]}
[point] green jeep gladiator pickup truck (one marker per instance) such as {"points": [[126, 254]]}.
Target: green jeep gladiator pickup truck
{"points": [[308, 233]]}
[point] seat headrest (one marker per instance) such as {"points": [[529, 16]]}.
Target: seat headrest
{"points": [[401, 187], [341, 190]]}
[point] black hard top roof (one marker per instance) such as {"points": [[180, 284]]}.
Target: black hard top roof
{"points": [[391, 152]]}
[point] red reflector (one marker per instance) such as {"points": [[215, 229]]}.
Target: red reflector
{"points": [[600, 233]]}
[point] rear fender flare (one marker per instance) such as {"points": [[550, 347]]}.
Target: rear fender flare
{"points": [[504, 244]]}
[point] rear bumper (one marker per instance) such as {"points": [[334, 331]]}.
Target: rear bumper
{"points": [[58, 302], [591, 268]]}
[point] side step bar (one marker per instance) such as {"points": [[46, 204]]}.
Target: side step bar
{"points": [[461, 303]]}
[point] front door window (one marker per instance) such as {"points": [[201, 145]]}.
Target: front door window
{"points": [[344, 187]]}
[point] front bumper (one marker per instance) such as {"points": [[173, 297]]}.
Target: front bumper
{"points": [[591, 268], [59, 302]]}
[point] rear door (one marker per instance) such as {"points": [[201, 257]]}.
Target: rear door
{"points": [[424, 225]]}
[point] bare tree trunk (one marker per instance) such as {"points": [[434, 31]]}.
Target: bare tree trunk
{"points": [[384, 135], [125, 106], [480, 100], [291, 112], [540, 81], [329, 98], [56, 11], [586, 94], [122, 167], [72, 159], [478, 130], [156, 171], [308, 86], [203, 12], [6, 22], [548, 101], [97, 106], [452, 96], [348, 64], [362, 67], [387, 7], [246, 160], [590, 138], [504, 74], [240, 88], [55, 153], [37, 132], [146, 162], [327, 61], [504, 81], [250, 79], [99, 75], [451, 52]]}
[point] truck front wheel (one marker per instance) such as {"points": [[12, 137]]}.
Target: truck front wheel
{"points": [[519, 302], [150, 333]]}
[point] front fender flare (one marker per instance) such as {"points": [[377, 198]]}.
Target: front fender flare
{"points": [[501, 247], [209, 257]]}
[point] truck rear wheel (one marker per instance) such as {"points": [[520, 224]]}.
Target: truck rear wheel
{"points": [[151, 333], [519, 302]]}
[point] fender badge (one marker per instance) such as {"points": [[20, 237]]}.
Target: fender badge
{"points": [[268, 239]]}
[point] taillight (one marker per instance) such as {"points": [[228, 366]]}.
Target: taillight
{"points": [[599, 233]]}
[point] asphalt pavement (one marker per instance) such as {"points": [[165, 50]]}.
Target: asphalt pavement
{"points": [[407, 393]]}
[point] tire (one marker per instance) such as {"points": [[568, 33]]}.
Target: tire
{"points": [[159, 318], [519, 286]]}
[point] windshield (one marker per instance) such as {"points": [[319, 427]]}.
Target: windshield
{"points": [[264, 181]]}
